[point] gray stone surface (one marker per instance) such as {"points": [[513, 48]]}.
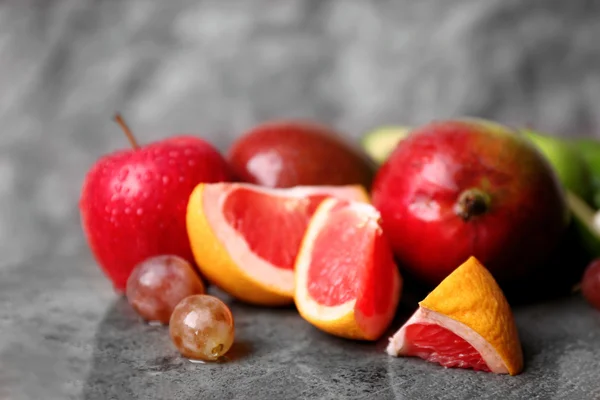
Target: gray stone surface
{"points": [[215, 68], [65, 335]]}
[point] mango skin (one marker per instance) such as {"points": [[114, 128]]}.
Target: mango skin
{"points": [[589, 148], [418, 188], [288, 153], [568, 162]]}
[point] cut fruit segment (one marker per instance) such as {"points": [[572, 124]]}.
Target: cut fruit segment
{"points": [[245, 237], [465, 322], [347, 283], [450, 351]]}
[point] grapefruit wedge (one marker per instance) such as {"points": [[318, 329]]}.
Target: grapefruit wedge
{"points": [[245, 237], [465, 322], [347, 283]]}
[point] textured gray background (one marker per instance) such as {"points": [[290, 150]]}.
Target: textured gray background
{"points": [[215, 68]]}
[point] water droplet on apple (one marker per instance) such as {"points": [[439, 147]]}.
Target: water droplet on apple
{"points": [[187, 152], [181, 179], [191, 163], [114, 197], [140, 211], [159, 206], [107, 209], [114, 211], [173, 154], [147, 176], [171, 162], [165, 180], [123, 173], [127, 210]]}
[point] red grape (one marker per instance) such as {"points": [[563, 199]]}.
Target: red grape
{"points": [[158, 284], [590, 285], [202, 328]]}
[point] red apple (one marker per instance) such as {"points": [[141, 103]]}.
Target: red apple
{"points": [[290, 153], [469, 187], [133, 202]]}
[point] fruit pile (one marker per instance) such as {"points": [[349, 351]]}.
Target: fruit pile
{"points": [[294, 214]]}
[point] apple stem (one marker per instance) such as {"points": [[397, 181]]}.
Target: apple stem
{"points": [[119, 120], [471, 203]]}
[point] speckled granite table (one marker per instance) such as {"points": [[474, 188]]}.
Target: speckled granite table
{"points": [[216, 68], [65, 335]]}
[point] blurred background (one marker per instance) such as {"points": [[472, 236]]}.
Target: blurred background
{"points": [[216, 68]]}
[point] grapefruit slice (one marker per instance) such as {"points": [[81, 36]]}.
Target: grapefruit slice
{"points": [[245, 237], [465, 322], [347, 283]]}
